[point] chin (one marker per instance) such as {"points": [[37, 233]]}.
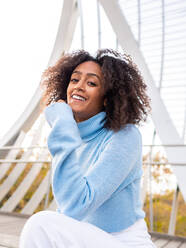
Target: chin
{"points": [[77, 110], [80, 116]]}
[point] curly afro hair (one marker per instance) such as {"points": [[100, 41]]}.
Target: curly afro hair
{"points": [[125, 90]]}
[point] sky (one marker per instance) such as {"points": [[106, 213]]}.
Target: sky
{"points": [[28, 31]]}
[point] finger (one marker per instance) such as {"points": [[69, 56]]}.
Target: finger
{"points": [[60, 100]]}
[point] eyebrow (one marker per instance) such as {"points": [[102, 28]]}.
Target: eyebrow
{"points": [[89, 74]]}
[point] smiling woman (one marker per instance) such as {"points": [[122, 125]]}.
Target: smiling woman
{"points": [[85, 92], [109, 74], [92, 105]]}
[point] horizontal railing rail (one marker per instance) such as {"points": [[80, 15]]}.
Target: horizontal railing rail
{"points": [[49, 161], [45, 147], [147, 162]]}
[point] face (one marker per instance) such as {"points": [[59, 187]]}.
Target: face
{"points": [[85, 93]]}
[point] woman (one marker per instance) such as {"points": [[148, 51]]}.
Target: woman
{"points": [[92, 106]]}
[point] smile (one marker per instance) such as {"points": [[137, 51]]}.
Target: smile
{"points": [[77, 97]]}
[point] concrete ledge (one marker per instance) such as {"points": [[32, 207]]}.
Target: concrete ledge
{"points": [[10, 241], [167, 236]]}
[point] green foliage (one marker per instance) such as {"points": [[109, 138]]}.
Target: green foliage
{"points": [[162, 205]]}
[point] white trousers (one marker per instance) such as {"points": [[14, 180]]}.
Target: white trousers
{"points": [[50, 229]]}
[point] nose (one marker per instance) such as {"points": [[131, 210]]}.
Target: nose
{"points": [[80, 85]]}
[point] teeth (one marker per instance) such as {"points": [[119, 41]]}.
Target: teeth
{"points": [[78, 97]]}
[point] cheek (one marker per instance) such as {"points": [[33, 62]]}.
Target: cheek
{"points": [[69, 88], [99, 95], [99, 99]]}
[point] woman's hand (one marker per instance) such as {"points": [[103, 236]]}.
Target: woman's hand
{"points": [[52, 112], [60, 100]]}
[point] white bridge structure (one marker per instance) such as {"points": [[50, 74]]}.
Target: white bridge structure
{"points": [[154, 34]]}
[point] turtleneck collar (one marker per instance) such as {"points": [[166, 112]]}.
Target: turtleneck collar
{"points": [[90, 128]]}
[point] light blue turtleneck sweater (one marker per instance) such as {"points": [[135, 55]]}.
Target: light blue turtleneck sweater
{"points": [[95, 172]]}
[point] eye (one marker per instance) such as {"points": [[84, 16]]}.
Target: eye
{"points": [[74, 80], [91, 83]]}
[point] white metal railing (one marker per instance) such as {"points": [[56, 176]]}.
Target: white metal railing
{"points": [[150, 162], [49, 161]]}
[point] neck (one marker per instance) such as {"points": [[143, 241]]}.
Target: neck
{"points": [[79, 118], [91, 127]]}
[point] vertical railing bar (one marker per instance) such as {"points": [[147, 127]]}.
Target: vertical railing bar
{"points": [[99, 25], [81, 23], [150, 185], [139, 23], [184, 124], [48, 188], [162, 44], [172, 221]]}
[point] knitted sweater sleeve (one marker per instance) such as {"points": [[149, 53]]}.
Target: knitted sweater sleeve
{"points": [[78, 195]]}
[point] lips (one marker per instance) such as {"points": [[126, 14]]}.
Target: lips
{"points": [[78, 97]]}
